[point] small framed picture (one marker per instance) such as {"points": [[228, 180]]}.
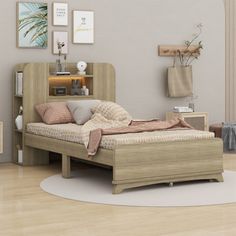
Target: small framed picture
{"points": [[60, 14], [32, 25], [83, 27], [60, 38]]}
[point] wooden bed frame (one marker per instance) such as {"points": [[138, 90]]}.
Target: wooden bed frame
{"points": [[135, 165], [146, 164]]}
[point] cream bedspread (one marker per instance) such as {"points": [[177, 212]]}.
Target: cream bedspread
{"points": [[73, 133], [133, 127]]}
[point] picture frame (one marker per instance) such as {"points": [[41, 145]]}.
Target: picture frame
{"points": [[83, 27], [32, 25], [60, 36], [60, 14]]}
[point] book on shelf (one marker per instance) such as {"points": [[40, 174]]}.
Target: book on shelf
{"points": [[61, 73], [19, 83]]}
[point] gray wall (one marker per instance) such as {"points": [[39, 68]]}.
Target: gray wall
{"points": [[127, 35]]}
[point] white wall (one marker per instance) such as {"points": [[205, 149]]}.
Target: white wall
{"points": [[127, 35]]}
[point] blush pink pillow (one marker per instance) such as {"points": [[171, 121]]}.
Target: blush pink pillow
{"points": [[54, 113]]}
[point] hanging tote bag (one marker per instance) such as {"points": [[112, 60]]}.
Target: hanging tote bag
{"points": [[180, 81]]}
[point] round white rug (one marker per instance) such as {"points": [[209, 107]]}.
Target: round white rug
{"points": [[94, 185]]}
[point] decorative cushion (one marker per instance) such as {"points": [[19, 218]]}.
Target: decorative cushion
{"points": [[81, 110], [54, 113], [112, 111]]}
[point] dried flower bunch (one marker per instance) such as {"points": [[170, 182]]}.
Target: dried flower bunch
{"points": [[192, 55], [60, 45]]}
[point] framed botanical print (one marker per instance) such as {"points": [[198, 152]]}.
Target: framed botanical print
{"points": [[32, 25], [60, 37], [60, 14], [83, 27]]}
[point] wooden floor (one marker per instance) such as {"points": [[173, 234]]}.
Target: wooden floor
{"points": [[26, 210]]}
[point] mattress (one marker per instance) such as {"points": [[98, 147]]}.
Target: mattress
{"points": [[72, 133]]}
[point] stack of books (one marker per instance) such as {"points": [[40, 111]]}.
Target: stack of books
{"points": [[182, 109], [19, 83]]}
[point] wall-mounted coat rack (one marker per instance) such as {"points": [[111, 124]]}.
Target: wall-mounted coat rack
{"points": [[172, 50]]}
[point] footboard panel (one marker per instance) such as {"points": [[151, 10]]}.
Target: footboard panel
{"points": [[168, 161]]}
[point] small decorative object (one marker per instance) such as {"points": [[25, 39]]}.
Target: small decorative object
{"points": [[58, 66], [60, 14], [19, 119], [84, 91], [60, 42], [81, 66], [83, 27], [59, 91], [60, 69], [65, 64], [75, 87], [19, 154], [191, 101], [191, 106], [32, 25]]}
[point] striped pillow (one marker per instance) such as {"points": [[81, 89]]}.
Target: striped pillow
{"points": [[112, 111], [54, 113]]}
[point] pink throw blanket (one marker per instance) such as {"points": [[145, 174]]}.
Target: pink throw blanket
{"points": [[95, 136]]}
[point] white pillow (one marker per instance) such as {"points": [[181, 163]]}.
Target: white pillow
{"points": [[81, 110], [112, 111]]}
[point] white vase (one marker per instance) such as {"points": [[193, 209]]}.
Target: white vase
{"points": [[19, 122]]}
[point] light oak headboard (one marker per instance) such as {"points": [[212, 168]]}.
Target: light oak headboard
{"points": [[36, 85]]}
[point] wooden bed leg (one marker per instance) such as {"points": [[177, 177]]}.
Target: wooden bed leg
{"points": [[65, 166], [220, 178], [116, 189]]}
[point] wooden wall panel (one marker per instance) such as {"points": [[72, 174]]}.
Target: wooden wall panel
{"points": [[230, 11]]}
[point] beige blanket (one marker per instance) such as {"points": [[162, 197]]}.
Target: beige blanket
{"points": [[115, 127]]}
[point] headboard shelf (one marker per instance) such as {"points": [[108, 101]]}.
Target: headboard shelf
{"points": [[70, 97], [38, 82], [71, 75], [66, 83]]}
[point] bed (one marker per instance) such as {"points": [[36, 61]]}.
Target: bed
{"points": [[138, 160]]}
